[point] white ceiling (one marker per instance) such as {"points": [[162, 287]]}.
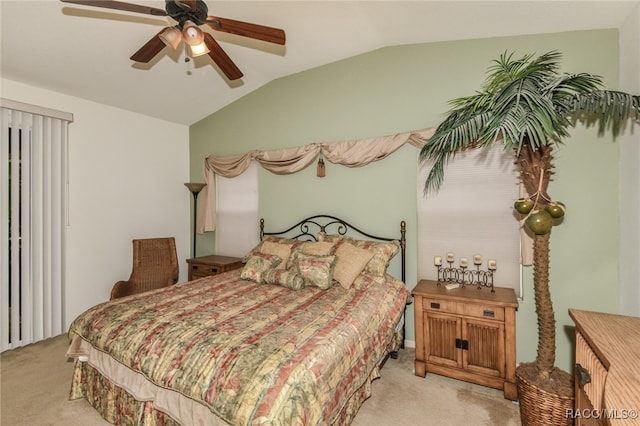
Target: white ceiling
{"points": [[84, 51]]}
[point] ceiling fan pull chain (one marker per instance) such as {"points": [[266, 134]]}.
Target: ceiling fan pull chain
{"points": [[189, 66], [187, 58]]}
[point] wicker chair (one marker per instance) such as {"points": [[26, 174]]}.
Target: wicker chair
{"points": [[155, 265]]}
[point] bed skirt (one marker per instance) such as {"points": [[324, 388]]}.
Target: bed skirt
{"points": [[119, 407], [124, 397]]}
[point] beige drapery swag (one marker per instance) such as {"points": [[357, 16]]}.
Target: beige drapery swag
{"points": [[350, 153]]}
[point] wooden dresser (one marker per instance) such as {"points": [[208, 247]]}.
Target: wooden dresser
{"points": [[204, 266], [607, 369], [467, 334]]}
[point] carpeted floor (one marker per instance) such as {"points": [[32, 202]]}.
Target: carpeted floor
{"points": [[36, 378]]}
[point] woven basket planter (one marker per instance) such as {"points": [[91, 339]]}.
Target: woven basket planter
{"points": [[539, 407]]}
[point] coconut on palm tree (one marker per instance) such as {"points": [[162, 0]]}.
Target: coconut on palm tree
{"points": [[527, 105]]}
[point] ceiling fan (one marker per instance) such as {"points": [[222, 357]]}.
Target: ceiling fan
{"points": [[189, 15]]}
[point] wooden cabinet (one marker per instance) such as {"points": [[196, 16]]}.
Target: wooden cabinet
{"points": [[607, 370], [211, 265], [467, 334]]}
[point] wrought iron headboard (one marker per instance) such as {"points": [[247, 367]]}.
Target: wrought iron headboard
{"points": [[308, 229]]}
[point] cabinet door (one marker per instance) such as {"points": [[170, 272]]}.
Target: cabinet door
{"points": [[441, 338], [485, 353]]}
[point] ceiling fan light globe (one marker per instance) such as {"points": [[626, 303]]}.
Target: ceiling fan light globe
{"points": [[192, 34], [199, 49], [171, 36]]}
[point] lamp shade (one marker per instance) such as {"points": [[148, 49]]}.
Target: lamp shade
{"points": [[199, 49], [195, 188], [171, 36], [192, 34]]}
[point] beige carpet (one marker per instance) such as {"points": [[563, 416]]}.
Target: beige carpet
{"points": [[36, 378]]}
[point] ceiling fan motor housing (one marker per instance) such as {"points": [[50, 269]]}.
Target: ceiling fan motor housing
{"points": [[183, 13]]}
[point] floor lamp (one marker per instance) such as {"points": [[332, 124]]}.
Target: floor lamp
{"points": [[195, 189]]}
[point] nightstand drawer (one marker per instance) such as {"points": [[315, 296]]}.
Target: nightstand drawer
{"points": [[438, 305], [465, 309], [481, 311], [206, 266], [203, 270]]}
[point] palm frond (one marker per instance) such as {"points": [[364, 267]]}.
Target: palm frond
{"points": [[609, 109], [460, 130], [436, 174], [525, 102], [506, 70], [567, 85]]}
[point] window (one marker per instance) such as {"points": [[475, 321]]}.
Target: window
{"points": [[472, 214], [237, 227]]}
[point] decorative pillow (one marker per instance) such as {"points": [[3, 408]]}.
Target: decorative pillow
{"points": [[282, 250], [383, 251], [273, 239], [257, 265], [319, 248], [308, 247], [289, 278], [351, 261], [317, 271]]}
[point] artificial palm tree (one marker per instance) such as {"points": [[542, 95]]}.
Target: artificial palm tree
{"points": [[529, 106]]}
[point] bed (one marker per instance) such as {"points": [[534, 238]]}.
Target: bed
{"points": [[295, 337]]}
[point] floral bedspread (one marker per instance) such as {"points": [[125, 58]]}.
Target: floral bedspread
{"points": [[252, 353]]}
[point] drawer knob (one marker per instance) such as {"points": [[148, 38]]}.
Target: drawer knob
{"points": [[488, 313], [435, 305]]}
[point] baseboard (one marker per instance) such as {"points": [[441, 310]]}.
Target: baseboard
{"points": [[409, 343]]}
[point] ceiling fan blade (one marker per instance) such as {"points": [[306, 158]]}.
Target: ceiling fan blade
{"points": [[149, 50], [246, 29], [221, 58], [118, 5]]}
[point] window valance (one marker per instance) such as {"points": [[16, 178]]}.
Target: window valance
{"points": [[350, 153]]}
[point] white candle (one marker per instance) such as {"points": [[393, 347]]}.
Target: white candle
{"points": [[464, 262], [450, 257], [437, 260], [491, 264], [477, 259]]}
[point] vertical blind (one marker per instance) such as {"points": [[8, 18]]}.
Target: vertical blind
{"points": [[33, 203], [472, 214]]}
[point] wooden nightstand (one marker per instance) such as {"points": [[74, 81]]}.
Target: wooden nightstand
{"points": [[204, 266], [467, 334]]}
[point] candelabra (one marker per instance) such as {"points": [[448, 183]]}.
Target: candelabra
{"points": [[463, 275]]}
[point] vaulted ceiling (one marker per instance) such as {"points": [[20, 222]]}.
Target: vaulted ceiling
{"points": [[84, 51]]}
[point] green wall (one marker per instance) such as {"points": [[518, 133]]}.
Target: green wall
{"points": [[404, 88]]}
